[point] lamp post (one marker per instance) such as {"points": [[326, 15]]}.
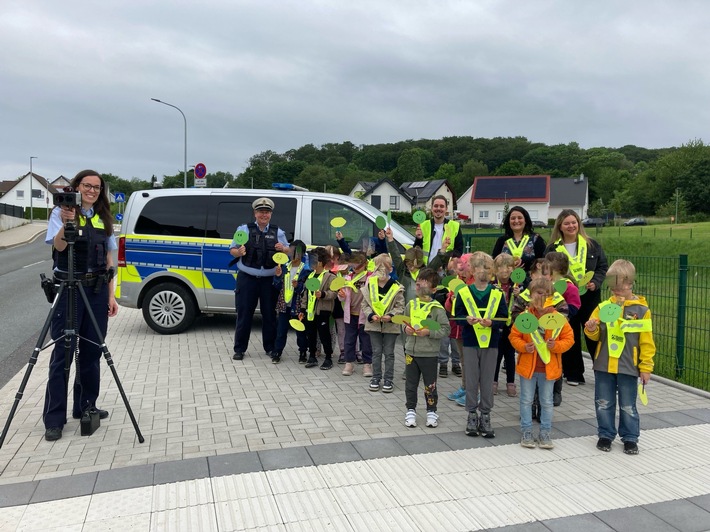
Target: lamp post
{"points": [[185, 151], [31, 178]]}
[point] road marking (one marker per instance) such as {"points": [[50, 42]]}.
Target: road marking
{"points": [[35, 263]]}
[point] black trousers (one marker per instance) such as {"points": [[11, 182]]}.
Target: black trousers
{"points": [[319, 327], [417, 368], [572, 361], [250, 291]]}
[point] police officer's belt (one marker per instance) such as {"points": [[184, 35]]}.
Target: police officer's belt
{"points": [[87, 279]]}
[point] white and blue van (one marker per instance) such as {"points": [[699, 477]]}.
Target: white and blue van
{"points": [[173, 249]]}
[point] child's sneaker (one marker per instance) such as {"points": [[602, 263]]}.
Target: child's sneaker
{"points": [[358, 357], [366, 370], [410, 418], [544, 441], [348, 369], [276, 358], [456, 369], [374, 385], [327, 363], [387, 387], [604, 444], [455, 395], [312, 362], [630, 447], [512, 391], [461, 401], [302, 358], [432, 419], [472, 424], [484, 426], [443, 372], [527, 440], [341, 359]]}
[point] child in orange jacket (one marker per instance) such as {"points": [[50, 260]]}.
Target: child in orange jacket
{"points": [[539, 363]]}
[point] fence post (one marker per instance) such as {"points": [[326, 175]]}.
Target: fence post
{"points": [[681, 312]]}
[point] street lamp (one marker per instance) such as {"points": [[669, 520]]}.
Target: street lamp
{"points": [[185, 151], [31, 178]]}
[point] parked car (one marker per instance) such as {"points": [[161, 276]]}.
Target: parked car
{"points": [[539, 224], [594, 222], [636, 221]]}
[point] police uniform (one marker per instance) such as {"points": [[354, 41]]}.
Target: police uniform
{"points": [[255, 281], [90, 257]]}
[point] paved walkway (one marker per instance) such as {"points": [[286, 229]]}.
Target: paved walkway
{"points": [[255, 446], [22, 234]]}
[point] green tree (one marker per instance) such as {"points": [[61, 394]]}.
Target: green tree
{"points": [[510, 168], [409, 166], [676, 207]]}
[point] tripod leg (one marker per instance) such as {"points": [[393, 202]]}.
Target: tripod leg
{"points": [[31, 365], [109, 361]]}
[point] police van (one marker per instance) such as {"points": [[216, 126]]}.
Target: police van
{"points": [[173, 249]]}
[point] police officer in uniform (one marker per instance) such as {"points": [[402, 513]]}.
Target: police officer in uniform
{"points": [[255, 280], [92, 257]]}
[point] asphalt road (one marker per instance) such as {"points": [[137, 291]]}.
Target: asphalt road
{"points": [[23, 307]]}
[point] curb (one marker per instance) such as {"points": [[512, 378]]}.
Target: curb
{"points": [[30, 239]]}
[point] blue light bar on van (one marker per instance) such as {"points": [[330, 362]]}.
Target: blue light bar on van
{"points": [[287, 186]]}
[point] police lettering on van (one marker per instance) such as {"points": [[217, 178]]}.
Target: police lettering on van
{"points": [[173, 250]]}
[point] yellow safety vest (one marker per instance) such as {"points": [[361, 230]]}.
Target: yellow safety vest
{"points": [[379, 305], [578, 263], [96, 221], [483, 334], [616, 332], [517, 249], [451, 229], [311, 309], [288, 287], [419, 311]]}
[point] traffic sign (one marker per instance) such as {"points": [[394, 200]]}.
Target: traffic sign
{"points": [[119, 216], [119, 197], [200, 170]]}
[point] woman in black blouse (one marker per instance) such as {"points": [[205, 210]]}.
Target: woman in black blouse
{"points": [[519, 239]]}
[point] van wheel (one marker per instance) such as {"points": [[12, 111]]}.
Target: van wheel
{"points": [[168, 308]]}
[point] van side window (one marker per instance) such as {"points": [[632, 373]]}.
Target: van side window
{"points": [[357, 228], [174, 216], [228, 213]]}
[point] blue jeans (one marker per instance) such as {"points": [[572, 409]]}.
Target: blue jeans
{"points": [[527, 393], [606, 388]]}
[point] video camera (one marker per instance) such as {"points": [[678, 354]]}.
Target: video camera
{"points": [[68, 198]]}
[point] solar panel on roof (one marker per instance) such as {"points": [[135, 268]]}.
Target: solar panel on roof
{"points": [[418, 184], [514, 187]]}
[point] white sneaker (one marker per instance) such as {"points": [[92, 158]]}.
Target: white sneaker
{"points": [[410, 418], [432, 419]]}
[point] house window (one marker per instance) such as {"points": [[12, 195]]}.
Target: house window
{"points": [[20, 194], [376, 202], [483, 214], [394, 203]]}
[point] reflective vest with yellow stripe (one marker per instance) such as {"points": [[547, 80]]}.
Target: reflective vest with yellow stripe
{"points": [[451, 229]]}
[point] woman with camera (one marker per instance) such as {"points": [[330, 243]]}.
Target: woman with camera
{"points": [[94, 242]]}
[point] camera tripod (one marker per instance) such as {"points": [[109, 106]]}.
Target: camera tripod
{"points": [[71, 286]]}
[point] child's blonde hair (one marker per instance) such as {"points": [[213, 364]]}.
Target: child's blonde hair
{"points": [[621, 271], [479, 259], [541, 284], [383, 266], [503, 260], [334, 252]]}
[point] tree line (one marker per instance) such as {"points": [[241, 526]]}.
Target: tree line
{"points": [[629, 181]]}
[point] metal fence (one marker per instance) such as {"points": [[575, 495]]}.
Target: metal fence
{"points": [[11, 210], [678, 295]]}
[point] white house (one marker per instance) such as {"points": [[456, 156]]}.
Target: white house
{"points": [[422, 193], [383, 195], [542, 196], [18, 192]]}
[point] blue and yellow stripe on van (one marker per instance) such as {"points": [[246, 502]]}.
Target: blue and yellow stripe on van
{"points": [[201, 262]]}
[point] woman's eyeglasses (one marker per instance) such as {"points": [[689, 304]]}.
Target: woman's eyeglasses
{"points": [[88, 187]]}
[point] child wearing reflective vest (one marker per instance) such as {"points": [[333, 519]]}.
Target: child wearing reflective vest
{"points": [[383, 298], [316, 308], [288, 281], [539, 362], [422, 347], [624, 355], [485, 312], [504, 265]]}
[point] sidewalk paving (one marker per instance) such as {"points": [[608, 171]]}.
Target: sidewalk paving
{"points": [[22, 234]]}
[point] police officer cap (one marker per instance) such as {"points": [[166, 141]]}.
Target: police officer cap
{"points": [[263, 203]]}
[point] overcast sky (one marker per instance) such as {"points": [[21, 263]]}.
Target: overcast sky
{"points": [[77, 77]]}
